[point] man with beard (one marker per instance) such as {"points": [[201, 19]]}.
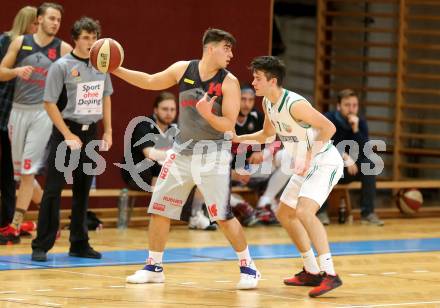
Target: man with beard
{"points": [[349, 126], [29, 58], [142, 147], [164, 114]]}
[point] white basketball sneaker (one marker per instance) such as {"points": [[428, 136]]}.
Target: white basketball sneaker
{"points": [[149, 274], [249, 276]]}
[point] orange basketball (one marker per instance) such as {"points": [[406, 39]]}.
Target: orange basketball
{"points": [[106, 55], [409, 201]]}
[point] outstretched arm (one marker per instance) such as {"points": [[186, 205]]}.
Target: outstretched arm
{"points": [[158, 81], [266, 135]]}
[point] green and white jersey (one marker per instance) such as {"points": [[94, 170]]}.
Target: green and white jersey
{"points": [[296, 136]]}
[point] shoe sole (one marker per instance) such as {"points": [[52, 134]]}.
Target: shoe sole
{"points": [[301, 285], [39, 259], [326, 291], [78, 255]]}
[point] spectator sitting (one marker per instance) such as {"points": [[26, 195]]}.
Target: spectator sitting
{"points": [[271, 182], [349, 126], [164, 115]]}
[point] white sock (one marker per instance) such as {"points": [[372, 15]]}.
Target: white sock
{"points": [[244, 257], [234, 200], [155, 257], [264, 200], [326, 264], [309, 261]]}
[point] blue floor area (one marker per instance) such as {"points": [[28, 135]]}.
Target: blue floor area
{"points": [[175, 255]]}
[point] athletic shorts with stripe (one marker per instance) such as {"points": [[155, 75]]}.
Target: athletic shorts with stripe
{"points": [[29, 130], [180, 173], [324, 173]]}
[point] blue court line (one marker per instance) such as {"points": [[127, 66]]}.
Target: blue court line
{"points": [[205, 254]]}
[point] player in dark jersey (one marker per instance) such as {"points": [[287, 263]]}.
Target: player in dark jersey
{"points": [[201, 154], [29, 58], [25, 22]]}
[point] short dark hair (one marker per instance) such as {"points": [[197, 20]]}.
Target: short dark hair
{"points": [[271, 66], [43, 8], [216, 36], [247, 87], [163, 96], [86, 24], [346, 93]]}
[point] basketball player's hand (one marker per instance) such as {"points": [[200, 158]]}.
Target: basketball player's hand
{"points": [[352, 168], [354, 122], [204, 106], [301, 166], [241, 177], [73, 141], [106, 142], [24, 72]]}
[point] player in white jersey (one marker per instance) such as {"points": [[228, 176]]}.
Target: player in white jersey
{"points": [[317, 167]]}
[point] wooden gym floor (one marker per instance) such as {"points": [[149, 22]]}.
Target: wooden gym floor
{"points": [[394, 266]]}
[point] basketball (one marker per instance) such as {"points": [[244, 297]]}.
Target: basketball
{"points": [[106, 55], [409, 201]]}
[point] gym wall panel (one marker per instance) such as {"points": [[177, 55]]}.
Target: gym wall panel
{"points": [[155, 34]]}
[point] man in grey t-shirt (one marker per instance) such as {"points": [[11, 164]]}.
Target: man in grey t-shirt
{"points": [[86, 101]]}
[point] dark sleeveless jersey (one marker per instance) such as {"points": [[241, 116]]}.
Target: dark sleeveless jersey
{"points": [[190, 123], [30, 92]]}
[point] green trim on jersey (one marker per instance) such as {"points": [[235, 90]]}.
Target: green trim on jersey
{"points": [[283, 100], [299, 122], [309, 146], [326, 149], [332, 176], [311, 173]]}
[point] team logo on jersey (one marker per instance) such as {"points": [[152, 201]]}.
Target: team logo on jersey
{"points": [[25, 47], [74, 72], [287, 128], [186, 80], [52, 53]]}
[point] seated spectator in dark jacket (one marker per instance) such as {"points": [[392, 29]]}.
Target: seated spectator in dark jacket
{"points": [[164, 115], [268, 183], [349, 126]]}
